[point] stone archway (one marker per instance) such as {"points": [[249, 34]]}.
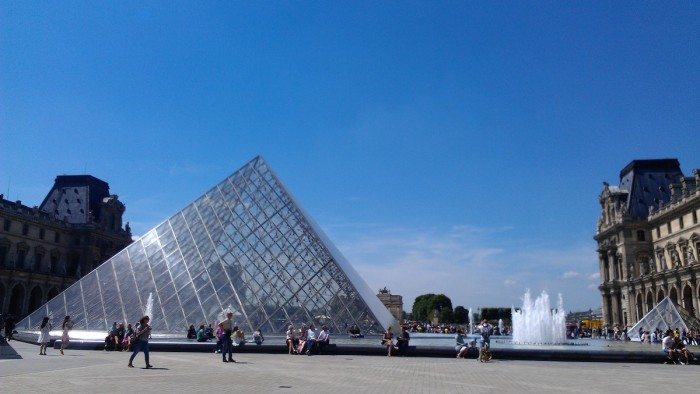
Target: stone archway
{"points": [[688, 299], [673, 295], [35, 299], [640, 307], [650, 301], [53, 292], [16, 306], [660, 296]]}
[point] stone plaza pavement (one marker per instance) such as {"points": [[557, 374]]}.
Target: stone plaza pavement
{"points": [[105, 372]]}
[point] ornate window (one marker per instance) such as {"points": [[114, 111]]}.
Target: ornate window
{"points": [[641, 235], [4, 248]]}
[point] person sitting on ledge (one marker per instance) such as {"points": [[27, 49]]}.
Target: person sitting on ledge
{"points": [[460, 344], [310, 340], [683, 354], [667, 347], [202, 334], [301, 344], [128, 336], [238, 337], [324, 338], [292, 340], [388, 340], [258, 337], [402, 341], [191, 332], [354, 332]]}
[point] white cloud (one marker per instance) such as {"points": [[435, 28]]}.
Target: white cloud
{"points": [[571, 274], [594, 276], [474, 267]]}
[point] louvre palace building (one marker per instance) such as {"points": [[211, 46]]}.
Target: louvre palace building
{"points": [[648, 241], [46, 248]]}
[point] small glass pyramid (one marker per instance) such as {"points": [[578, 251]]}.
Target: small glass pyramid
{"points": [[245, 245], [663, 316]]}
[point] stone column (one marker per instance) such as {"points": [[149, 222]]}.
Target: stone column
{"points": [[612, 265], [615, 308], [694, 296], [603, 272], [607, 313]]}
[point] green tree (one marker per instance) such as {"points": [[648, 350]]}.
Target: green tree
{"points": [[425, 304], [461, 315], [446, 315], [496, 313]]}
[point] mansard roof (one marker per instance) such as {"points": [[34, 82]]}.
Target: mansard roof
{"points": [[648, 182], [74, 197]]}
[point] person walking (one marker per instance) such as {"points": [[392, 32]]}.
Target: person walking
{"points": [[65, 326], [44, 336], [143, 331], [226, 343]]}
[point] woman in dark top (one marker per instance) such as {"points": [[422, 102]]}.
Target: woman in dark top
{"points": [[191, 332], [143, 331]]}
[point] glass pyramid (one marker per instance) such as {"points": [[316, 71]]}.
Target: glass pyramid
{"points": [[663, 316], [245, 245]]}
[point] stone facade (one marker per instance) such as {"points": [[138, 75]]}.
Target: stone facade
{"points": [[648, 241], [393, 302], [46, 248]]}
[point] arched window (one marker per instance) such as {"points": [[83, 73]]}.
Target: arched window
{"points": [[640, 308], [52, 293], [54, 262], [35, 299], [660, 296], [641, 235], [4, 248], [688, 299], [650, 301], [673, 295], [17, 301]]}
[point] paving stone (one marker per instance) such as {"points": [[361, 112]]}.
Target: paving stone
{"points": [[101, 372]]}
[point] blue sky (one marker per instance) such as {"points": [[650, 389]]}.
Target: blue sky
{"points": [[453, 147]]}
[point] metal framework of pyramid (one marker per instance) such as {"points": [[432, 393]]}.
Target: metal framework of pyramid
{"points": [[245, 245], [663, 316]]}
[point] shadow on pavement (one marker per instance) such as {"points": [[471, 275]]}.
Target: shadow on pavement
{"points": [[7, 352]]}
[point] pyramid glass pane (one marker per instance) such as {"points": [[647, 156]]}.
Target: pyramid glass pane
{"points": [[245, 245]]}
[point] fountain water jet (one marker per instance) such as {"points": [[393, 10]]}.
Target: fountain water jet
{"points": [[471, 321], [149, 307], [536, 322]]}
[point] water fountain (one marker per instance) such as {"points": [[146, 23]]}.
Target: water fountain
{"points": [[536, 322], [149, 307], [471, 321]]}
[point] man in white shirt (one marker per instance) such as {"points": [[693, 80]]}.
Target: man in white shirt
{"points": [[227, 345], [323, 338], [486, 331], [667, 347], [311, 337]]}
